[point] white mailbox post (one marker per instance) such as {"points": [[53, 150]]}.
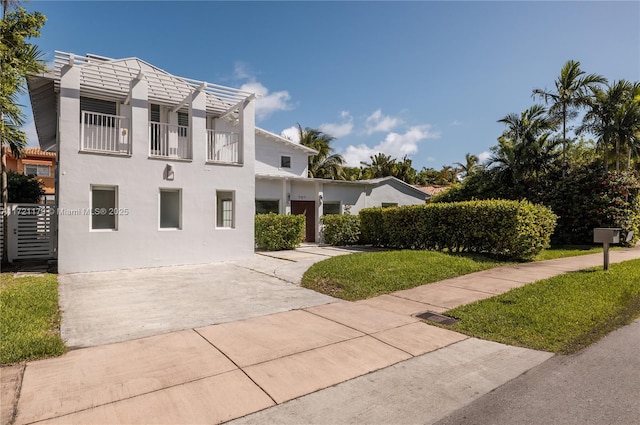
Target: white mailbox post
{"points": [[606, 236]]}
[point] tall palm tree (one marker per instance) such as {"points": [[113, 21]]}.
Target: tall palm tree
{"points": [[470, 164], [614, 118], [572, 89], [24, 59], [325, 164]]}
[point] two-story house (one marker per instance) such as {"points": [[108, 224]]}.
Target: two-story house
{"points": [[153, 169], [283, 186], [39, 164]]}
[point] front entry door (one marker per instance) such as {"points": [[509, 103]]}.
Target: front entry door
{"points": [[308, 208]]}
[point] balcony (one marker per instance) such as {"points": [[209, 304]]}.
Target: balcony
{"points": [[223, 147], [169, 141], [104, 133]]}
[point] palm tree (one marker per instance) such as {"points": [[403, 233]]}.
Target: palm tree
{"points": [[525, 146], [614, 118], [404, 170], [24, 59], [470, 164], [381, 166], [325, 164], [571, 92]]}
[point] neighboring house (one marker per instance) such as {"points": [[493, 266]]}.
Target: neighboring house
{"points": [[154, 169], [282, 186], [432, 190], [37, 163]]}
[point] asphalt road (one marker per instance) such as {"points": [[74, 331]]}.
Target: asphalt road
{"points": [[598, 385]]}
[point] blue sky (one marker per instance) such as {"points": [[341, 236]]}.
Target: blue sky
{"points": [[426, 79]]}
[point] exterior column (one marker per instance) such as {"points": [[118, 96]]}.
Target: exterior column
{"points": [[139, 131], [198, 126]]}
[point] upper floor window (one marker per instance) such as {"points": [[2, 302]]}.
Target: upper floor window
{"points": [[37, 170], [285, 161]]}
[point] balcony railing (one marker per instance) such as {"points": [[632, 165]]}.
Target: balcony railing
{"points": [[104, 133], [223, 147], [169, 141]]}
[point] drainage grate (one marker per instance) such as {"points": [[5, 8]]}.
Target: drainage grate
{"points": [[438, 318]]}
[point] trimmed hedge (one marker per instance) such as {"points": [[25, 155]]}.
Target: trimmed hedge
{"points": [[341, 230], [511, 229], [276, 232]]}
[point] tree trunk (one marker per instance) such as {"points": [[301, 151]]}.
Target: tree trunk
{"points": [[5, 198], [564, 140]]}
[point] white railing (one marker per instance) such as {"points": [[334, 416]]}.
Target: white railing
{"points": [[104, 133], [169, 141], [223, 147]]}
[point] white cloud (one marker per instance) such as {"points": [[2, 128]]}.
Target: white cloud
{"points": [[376, 122], [395, 144], [483, 156], [32, 135], [267, 103], [291, 133], [339, 129]]}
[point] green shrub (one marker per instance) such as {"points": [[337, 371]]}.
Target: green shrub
{"points": [[341, 230], [371, 227], [277, 232], [511, 229], [589, 198]]}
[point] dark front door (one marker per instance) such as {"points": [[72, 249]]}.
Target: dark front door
{"points": [[308, 208]]}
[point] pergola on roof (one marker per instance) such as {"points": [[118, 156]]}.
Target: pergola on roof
{"points": [[108, 77]]}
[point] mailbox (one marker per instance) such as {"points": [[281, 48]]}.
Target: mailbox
{"points": [[606, 235]]}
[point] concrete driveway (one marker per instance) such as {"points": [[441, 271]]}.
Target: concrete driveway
{"points": [[105, 307]]}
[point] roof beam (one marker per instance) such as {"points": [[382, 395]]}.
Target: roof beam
{"points": [[187, 97], [238, 105]]}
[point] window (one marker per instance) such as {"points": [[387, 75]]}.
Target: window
{"points": [[285, 162], [96, 110], [389, 204], [183, 123], [224, 209], [170, 208], [37, 170], [264, 206], [330, 208], [104, 205]]}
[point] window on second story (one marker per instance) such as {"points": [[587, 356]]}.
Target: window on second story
{"points": [[37, 170], [285, 161]]}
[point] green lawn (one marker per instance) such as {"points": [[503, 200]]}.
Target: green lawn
{"points": [[365, 275], [567, 251], [29, 318], [562, 314]]}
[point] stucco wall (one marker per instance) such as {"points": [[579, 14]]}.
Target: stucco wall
{"points": [[268, 153], [138, 241], [392, 191]]}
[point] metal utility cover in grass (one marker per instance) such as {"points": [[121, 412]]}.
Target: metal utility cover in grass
{"points": [[437, 318]]}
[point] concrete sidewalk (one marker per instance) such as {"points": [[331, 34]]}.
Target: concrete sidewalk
{"points": [[217, 373]]}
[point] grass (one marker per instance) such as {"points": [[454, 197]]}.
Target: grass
{"points": [[567, 251], [364, 275], [562, 314], [29, 318]]}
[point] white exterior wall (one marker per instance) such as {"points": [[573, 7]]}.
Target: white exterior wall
{"points": [[268, 155], [138, 241], [351, 194], [393, 192]]}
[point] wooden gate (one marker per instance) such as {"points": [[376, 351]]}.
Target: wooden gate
{"points": [[31, 232]]}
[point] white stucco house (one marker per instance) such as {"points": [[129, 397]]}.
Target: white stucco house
{"points": [[153, 169], [282, 186], [156, 169]]}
